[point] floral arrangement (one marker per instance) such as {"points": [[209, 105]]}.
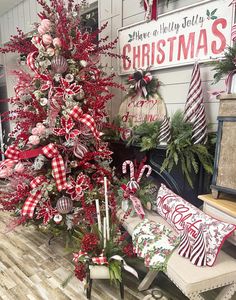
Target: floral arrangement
{"points": [[57, 167]]}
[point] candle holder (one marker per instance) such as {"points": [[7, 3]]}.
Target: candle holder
{"points": [[94, 272]]}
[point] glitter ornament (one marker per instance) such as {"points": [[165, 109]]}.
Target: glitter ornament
{"points": [[59, 64], [64, 205], [47, 39], [69, 77], [43, 101], [83, 63], [126, 134], [56, 42], [34, 140]]}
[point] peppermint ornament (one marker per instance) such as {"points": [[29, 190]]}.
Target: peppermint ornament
{"points": [[59, 64], [57, 218], [64, 205], [47, 39], [200, 127], [164, 134], [80, 150]]}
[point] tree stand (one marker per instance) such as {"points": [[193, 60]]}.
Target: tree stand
{"points": [[100, 272]]}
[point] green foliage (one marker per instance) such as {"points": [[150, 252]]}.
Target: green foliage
{"points": [[145, 135], [115, 271], [182, 151], [223, 67], [112, 132]]}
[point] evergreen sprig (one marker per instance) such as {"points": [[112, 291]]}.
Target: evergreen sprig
{"points": [[226, 65]]}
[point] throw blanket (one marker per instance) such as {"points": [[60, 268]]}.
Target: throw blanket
{"points": [[154, 243]]}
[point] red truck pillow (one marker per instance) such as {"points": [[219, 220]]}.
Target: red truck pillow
{"points": [[182, 215]]}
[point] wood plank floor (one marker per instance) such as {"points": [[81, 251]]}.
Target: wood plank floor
{"points": [[31, 269]]}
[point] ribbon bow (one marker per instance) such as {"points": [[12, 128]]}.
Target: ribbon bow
{"points": [[34, 197], [129, 193], [78, 115], [14, 153], [150, 7], [58, 166], [141, 80]]}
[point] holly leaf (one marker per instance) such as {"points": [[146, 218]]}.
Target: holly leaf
{"points": [[214, 17], [208, 12], [130, 38], [213, 12]]}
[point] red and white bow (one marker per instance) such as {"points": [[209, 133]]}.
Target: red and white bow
{"points": [[137, 205], [150, 7], [98, 260], [34, 196], [14, 153], [66, 130], [78, 115], [58, 166], [76, 188]]}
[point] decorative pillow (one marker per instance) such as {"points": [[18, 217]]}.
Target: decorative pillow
{"points": [[180, 213]]}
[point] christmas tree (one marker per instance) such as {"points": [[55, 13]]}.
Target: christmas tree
{"points": [[57, 166]]}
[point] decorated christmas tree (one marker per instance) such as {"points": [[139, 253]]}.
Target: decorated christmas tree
{"points": [[57, 166]]}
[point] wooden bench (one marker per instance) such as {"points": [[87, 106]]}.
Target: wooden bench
{"points": [[190, 279]]}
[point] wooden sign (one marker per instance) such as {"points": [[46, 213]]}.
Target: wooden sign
{"points": [[200, 31], [137, 110]]}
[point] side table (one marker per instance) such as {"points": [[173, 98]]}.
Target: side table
{"points": [[223, 209]]}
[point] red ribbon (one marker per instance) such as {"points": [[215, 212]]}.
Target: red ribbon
{"points": [[13, 152], [78, 115], [100, 260], [128, 193], [34, 197], [58, 166], [150, 7]]}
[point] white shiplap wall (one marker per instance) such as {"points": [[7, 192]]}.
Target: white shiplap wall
{"points": [[117, 13], [176, 80]]}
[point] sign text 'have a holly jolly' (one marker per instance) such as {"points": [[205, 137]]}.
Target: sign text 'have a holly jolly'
{"points": [[198, 32]]}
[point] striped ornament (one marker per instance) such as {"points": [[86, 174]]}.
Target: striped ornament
{"points": [[80, 150], [185, 246], [164, 134], [200, 127], [133, 185], [195, 95], [64, 205], [198, 254], [233, 33], [59, 64]]}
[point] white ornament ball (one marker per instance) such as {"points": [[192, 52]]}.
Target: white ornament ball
{"points": [[56, 42], [83, 63], [47, 39], [34, 140], [43, 101], [64, 205], [57, 218], [50, 51]]}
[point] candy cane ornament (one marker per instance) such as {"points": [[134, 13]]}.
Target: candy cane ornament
{"points": [[132, 184], [142, 172]]}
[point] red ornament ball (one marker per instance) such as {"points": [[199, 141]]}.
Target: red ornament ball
{"points": [[89, 242], [64, 205]]}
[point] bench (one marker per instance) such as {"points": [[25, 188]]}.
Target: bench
{"points": [[190, 279]]}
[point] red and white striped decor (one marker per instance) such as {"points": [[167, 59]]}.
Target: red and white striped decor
{"points": [[164, 134], [185, 246], [200, 127], [195, 95], [233, 33], [198, 254]]}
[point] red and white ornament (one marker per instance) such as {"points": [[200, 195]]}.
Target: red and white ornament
{"points": [[34, 140], [57, 218], [64, 205], [41, 30], [46, 24], [59, 64], [80, 150], [50, 51], [126, 134], [47, 39]]}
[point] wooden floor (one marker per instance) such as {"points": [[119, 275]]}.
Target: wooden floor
{"points": [[32, 269]]}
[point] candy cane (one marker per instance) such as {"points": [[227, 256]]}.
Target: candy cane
{"points": [[131, 167], [142, 172]]}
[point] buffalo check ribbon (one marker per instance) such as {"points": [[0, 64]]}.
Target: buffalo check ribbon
{"points": [[78, 115], [98, 260], [34, 197], [14, 153], [58, 166]]}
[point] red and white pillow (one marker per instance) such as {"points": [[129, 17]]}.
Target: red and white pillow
{"points": [[204, 234]]}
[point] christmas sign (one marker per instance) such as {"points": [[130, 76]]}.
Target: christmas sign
{"points": [[197, 32]]}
